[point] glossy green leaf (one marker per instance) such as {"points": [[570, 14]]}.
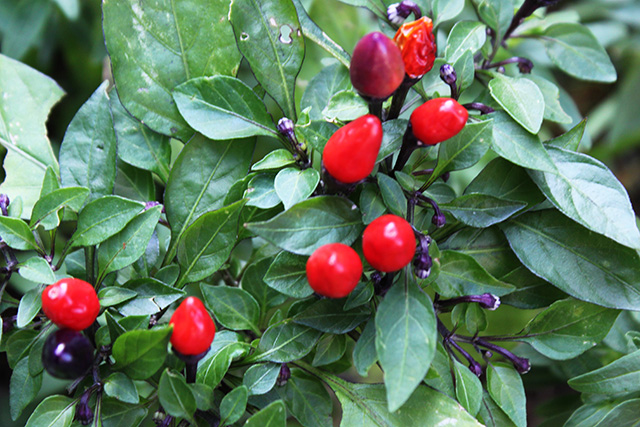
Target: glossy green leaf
{"points": [[139, 354], [120, 386], [322, 87], [212, 369], [481, 210], [151, 297], [618, 377], [88, 150], [285, 342], [552, 108], [521, 98], [465, 149], [134, 183], [138, 145], [497, 14], [392, 134], [364, 353], [254, 282], [102, 218], [329, 315], [17, 234], [30, 305], [492, 415], [505, 387], [223, 108], [234, 308], [125, 247], [461, 274], [576, 51], [270, 38], [274, 160], [23, 25], [273, 415], [307, 399], [330, 349], [200, 179], [371, 203], [207, 243], [118, 414], [583, 264], [154, 47], [445, 10], [261, 378], [586, 191], [311, 224], [315, 134], [405, 340], [465, 35], [72, 197], [37, 270], [27, 97], [23, 388], [233, 405], [287, 274], [113, 295], [261, 191], [571, 139], [54, 411], [294, 185], [345, 105], [175, 395], [468, 388], [392, 195], [568, 328]]}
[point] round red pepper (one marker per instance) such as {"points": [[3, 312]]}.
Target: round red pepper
{"points": [[351, 152], [376, 66], [388, 243], [334, 270], [193, 327], [438, 120], [71, 303], [418, 46]]}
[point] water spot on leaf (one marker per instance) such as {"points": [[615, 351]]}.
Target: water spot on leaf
{"points": [[273, 22], [285, 34]]}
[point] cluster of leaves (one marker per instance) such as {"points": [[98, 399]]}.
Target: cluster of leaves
{"points": [[537, 223]]}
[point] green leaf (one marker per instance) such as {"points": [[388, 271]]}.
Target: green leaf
{"points": [[27, 97], [371, 203], [465, 149], [465, 70], [619, 377], [521, 98], [591, 414], [366, 405], [118, 414], [223, 108], [481, 210], [586, 191], [233, 405], [234, 308], [113, 295], [571, 139], [497, 14], [294, 185], [364, 353], [307, 399], [623, 414], [49, 184], [583, 264], [24, 26], [261, 191], [392, 195], [37, 270], [17, 234], [54, 411], [88, 150], [72, 197], [207, 243], [322, 87], [151, 297], [513, 143], [140, 353], [285, 342], [287, 274], [125, 247], [155, 47], [505, 387], [461, 274], [200, 179], [315, 134], [316, 35], [273, 415], [405, 340], [492, 415], [120, 386], [392, 134], [464, 36], [102, 218], [468, 388], [445, 10], [253, 281], [552, 109], [204, 396], [23, 388], [212, 369], [30, 305], [175, 395], [275, 159], [361, 295], [260, 378], [311, 224], [569, 328], [345, 105], [269, 36], [329, 315], [576, 51], [134, 183], [138, 145], [439, 375], [330, 349]]}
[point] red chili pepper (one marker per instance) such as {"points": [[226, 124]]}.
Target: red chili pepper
{"points": [[417, 44]]}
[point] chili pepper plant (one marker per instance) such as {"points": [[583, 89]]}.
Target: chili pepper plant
{"points": [[406, 236]]}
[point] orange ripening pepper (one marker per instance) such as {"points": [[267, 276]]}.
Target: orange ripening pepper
{"points": [[417, 44]]}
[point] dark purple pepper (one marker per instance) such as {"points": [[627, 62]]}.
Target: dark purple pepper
{"points": [[67, 354]]}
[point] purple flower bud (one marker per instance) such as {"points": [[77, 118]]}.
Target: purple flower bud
{"points": [[521, 364], [285, 127], [439, 220], [283, 377], [149, 205], [488, 301], [475, 368], [398, 12], [4, 204], [448, 74], [525, 65], [84, 414]]}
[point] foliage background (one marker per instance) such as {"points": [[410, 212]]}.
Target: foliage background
{"points": [[64, 40]]}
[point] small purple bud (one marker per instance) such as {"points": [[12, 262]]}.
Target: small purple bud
{"points": [[283, 377], [149, 205], [448, 74], [487, 354], [398, 12], [445, 176], [501, 69], [84, 414], [439, 220], [521, 364], [285, 127], [475, 368], [489, 301], [525, 65], [4, 204]]}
